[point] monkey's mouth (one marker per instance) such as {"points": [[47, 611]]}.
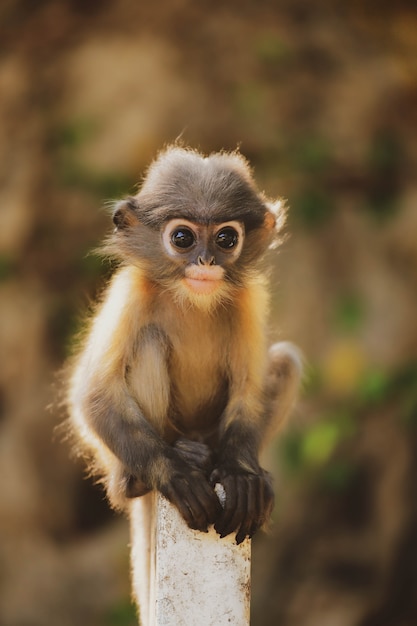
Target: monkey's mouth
{"points": [[204, 281], [202, 286]]}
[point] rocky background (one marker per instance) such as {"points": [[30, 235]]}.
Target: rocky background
{"points": [[322, 98]]}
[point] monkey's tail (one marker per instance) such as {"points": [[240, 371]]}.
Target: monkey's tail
{"points": [[283, 381]]}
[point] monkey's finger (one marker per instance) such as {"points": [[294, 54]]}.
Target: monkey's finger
{"points": [[200, 499], [236, 509], [252, 510], [241, 518], [198, 514], [258, 515], [233, 507], [207, 498], [170, 493], [265, 503], [229, 503], [179, 493], [258, 512], [268, 500], [212, 504], [215, 477]]}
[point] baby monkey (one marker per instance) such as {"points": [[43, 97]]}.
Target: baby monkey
{"points": [[174, 388]]}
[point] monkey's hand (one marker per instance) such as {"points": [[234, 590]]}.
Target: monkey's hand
{"points": [[186, 485], [183, 478], [198, 455], [249, 500]]}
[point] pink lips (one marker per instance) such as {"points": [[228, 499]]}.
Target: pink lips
{"points": [[203, 280], [202, 286]]}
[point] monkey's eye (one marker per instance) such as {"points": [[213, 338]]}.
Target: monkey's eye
{"points": [[227, 238], [183, 237]]}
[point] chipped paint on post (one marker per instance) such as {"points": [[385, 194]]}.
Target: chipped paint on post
{"points": [[183, 577], [198, 577]]}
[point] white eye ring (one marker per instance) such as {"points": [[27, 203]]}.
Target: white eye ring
{"points": [[169, 231], [183, 238], [239, 228], [172, 225]]}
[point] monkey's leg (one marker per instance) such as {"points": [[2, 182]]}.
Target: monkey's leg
{"points": [[281, 386]]}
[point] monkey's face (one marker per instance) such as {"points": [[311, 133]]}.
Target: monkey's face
{"points": [[198, 227], [199, 262], [204, 252]]}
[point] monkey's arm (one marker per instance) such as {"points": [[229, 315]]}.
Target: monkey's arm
{"points": [[126, 420], [146, 460], [248, 487], [250, 491], [249, 494]]}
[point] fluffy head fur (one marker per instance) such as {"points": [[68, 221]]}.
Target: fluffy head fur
{"points": [[182, 183]]}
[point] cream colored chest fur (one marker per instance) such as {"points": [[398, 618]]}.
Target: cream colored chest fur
{"points": [[188, 374], [197, 365]]}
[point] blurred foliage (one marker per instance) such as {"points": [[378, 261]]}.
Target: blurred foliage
{"points": [[320, 441], [338, 474], [386, 154], [75, 133], [404, 383], [62, 326], [374, 387], [67, 141], [344, 366], [74, 174], [311, 206], [378, 388], [124, 614], [303, 450], [323, 100], [349, 313], [312, 380], [315, 450], [92, 266], [271, 49], [7, 267], [386, 161], [250, 100], [311, 154]]}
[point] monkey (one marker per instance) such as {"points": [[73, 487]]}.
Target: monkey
{"points": [[174, 388]]}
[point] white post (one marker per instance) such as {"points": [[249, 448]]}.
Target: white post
{"points": [[195, 578]]}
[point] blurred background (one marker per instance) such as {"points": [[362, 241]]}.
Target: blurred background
{"points": [[322, 98]]}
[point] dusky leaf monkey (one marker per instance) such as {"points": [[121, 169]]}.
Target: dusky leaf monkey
{"points": [[174, 388]]}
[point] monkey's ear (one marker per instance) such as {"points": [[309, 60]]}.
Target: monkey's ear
{"points": [[269, 220], [274, 220], [125, 214]]}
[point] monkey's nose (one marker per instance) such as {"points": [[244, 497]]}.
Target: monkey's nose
{"points": [[208, 261]]}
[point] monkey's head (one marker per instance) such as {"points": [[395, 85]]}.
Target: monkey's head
{"points": [[198, 226]]}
